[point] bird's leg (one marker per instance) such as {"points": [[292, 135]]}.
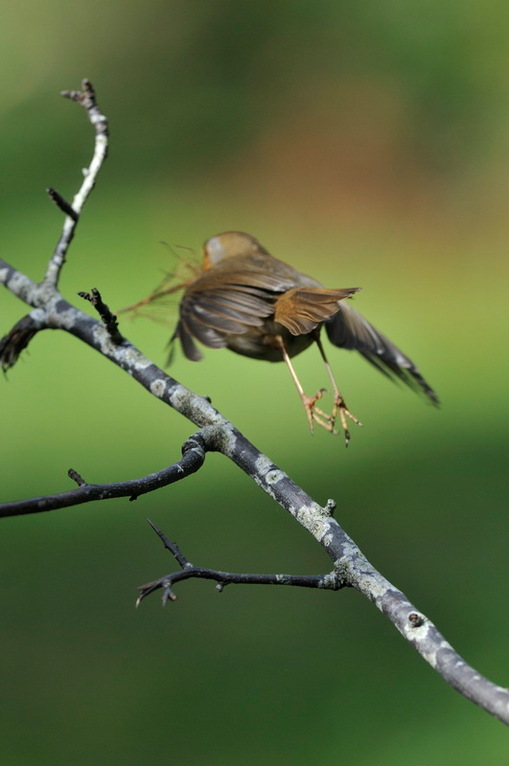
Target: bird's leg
{"points": [[314, 414], [339, 402]]}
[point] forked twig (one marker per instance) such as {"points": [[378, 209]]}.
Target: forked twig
{"points": [[189, 571]]}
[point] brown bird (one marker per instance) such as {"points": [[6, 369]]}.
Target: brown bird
{"points": [[248, 301]]}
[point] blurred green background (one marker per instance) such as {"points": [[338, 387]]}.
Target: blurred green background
{"points": [[365, 143]]}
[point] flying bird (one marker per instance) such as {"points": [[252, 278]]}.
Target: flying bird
{"points": [[248, 301], [244, 299]]}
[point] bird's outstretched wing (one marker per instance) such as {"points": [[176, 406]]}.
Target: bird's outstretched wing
{"points": [[226, 301], [348, 329], [212, 312]]}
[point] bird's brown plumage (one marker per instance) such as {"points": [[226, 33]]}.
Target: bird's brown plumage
{"points": [[248, 301]]}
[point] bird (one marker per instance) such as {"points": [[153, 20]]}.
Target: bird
{"points": [[246, 300]]}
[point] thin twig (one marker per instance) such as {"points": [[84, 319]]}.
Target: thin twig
{"points": [[189, 571], [86, 98], [62, 203], [109, 319], [193, 456]]}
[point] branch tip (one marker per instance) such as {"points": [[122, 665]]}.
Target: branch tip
{"points": [[168, 595], [87, 92], [171, 546], [62, 203], [87, 87], [85, 98], [76, 477]]}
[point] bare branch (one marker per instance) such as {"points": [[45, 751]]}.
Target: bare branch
{"points": [[77, 477], [351, 568], [193, 456], [328, 581], [38, 295], [86, 98]]}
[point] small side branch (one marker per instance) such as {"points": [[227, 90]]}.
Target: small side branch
{"points": [[87, 99], [189, 571], [62, 203], [352, 569], [109, 319], [44, 296], [193, 457]]}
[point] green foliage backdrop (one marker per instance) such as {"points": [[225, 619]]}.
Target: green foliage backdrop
{"points": [[365, 143]]}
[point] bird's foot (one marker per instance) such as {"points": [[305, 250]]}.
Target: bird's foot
{"points": [[326, 421], [344, 415], [317, 415]]}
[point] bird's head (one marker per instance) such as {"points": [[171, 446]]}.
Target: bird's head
{"points": [[228, 244]]}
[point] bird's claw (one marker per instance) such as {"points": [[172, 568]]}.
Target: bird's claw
{"points": [[328, 422], [315, 414], [344, 413]]}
